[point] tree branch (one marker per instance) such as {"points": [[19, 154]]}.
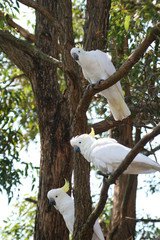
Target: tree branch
{"points": [[26, 34], [106, 124], [122, 72], [110, 123], [122, 167], [44, 12], [6, 37]]}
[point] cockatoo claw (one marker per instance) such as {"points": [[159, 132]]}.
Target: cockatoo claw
{"points": [[89, 86], [99, 81]]}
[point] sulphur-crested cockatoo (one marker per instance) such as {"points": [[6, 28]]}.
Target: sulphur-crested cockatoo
{"points": [[65, 205], [96, 65], [106, 154]]}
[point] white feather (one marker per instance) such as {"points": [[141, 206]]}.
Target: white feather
{"points": [[96, 65], [65, 205], [107, 154]]}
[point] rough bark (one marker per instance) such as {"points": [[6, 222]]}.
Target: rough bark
{"points": [[54, 122], [96, 25]]}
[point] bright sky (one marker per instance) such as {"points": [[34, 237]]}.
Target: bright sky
{"points": [[33, 155], [146, 204]]}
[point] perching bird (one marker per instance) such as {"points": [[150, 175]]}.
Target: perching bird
{"points": [[65, 205], [96, 65], [106, 154]]}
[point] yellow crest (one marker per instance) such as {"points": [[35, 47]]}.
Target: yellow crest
{"points": [[92, 133], [65, 188]]}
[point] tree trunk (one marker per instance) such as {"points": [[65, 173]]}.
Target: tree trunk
{"points": [[54, 121], [96, 26]]}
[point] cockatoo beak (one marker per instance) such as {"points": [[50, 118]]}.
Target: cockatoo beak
{"points": [[76, 149], [75, 56], [52, 202]]}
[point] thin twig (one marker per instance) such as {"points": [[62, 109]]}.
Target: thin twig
{"points": [[152, 151], [12, 80], [143, 219]]}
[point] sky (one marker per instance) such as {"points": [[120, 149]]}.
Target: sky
{"points": [[147, 204]]}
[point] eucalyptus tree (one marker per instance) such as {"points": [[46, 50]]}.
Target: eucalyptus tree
{"points": [[129, 31]]}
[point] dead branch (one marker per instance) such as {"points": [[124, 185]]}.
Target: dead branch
{"points": [[104, 191]]}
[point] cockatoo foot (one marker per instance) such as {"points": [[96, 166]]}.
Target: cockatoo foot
{"points": [[89, 86], [99, 81]]}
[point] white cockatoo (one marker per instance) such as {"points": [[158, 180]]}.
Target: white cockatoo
{"points": [[96, 65], [106, 154], [65, 205]]}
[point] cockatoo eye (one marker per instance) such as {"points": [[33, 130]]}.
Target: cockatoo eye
{"points": [[56, 196], [79, 51], [79, 142]]}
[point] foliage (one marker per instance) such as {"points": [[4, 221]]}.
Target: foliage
{"points": [[10, 5], [78, 19], [20, 225], [7, 7], [18, 123], [148, 231]]}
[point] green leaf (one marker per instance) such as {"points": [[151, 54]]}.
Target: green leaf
{"points": [[127, 22]]}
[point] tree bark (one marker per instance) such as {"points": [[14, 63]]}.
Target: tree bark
{"points": [[54, 124], [96, 25]]}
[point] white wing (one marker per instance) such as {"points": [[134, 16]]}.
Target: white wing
{"points": [[86, 75], [108, 157], [67, 211], [97, 235], [103, 141], [105, 62]]}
